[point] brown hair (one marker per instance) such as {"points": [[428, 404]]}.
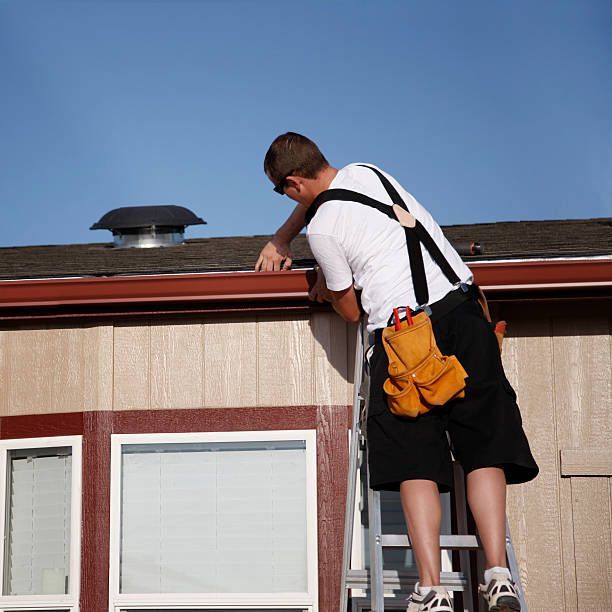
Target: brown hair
{"points": [[294, 154]]}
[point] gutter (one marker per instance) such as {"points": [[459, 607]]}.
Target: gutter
{"points": [[240, 291], [543, 274]]}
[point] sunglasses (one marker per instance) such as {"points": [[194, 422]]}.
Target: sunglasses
{"points": [[280, 186]]}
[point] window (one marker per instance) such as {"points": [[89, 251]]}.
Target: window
{"points": [[224, 519], [41, 505]]}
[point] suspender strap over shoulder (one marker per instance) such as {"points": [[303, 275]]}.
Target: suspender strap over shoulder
{"points": [[346, 195], [414, 236], [396, 198]]}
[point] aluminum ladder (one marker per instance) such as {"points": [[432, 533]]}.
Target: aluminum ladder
{"points": [[377, 581]]}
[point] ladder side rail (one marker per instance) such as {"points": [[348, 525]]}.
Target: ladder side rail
{"points": [[376, 550], [352, 467], [462, 528], [514, 568]]}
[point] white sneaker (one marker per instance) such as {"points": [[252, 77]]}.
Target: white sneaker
{"points": [[501, 594], [437, 600]]}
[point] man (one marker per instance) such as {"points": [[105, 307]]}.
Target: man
{"points": [[364, 247]]}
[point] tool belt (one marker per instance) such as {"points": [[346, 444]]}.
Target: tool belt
{"points": [[420, 376]]}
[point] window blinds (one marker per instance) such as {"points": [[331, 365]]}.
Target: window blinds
{"points": [[214, 518], [38, 522]]}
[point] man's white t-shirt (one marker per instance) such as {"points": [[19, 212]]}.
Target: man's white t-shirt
{"points": [[356, 244]]}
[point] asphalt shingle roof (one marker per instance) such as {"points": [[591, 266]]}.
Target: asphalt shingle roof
{"points": [[501, 240]]}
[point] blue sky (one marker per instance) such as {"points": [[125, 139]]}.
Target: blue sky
{"points": [[486, 110]]}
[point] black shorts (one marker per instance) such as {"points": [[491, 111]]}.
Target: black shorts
{"points": [[485, 427]]}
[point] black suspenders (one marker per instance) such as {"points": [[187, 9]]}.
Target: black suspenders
{"points": [[415, 237]]}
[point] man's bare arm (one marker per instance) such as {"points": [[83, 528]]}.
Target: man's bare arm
{"points": [[344, 302], [346, 305], [276, 255]]}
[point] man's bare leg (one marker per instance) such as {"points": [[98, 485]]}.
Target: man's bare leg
{"points": [[423, 514], [486, 494]]}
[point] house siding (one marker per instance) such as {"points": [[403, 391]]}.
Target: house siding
{"points": [[192, 364], [560, 367], [59, 369], [562, 526]]}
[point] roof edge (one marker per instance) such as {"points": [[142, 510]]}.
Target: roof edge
{"points": [[242, 289]]}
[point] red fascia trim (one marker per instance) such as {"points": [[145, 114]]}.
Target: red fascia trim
{"points": [[229, 286], [250, 287], [541, 275]]}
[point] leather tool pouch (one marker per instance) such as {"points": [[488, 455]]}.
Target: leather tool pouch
{"points": [[420, 377]]}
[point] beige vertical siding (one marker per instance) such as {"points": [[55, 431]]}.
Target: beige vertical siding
{"points": [[562, 526], [285, 358], [583, 401], [230, 363], [56, 370], [331, 363], [533, 507], [176, 378], [285, 361], [132, 367]]}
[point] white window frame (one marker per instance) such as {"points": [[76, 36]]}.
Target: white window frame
{"points": [[307, 601], [14, 603]]}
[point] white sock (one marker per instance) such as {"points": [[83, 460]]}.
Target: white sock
{"points": [[496, 570]]}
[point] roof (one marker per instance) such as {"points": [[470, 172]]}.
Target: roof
{"points": [[501, 240]]}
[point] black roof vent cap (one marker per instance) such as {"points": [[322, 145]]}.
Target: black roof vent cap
{"points": [[128, 217], [148, 226]]}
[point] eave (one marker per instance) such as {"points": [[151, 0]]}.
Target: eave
{"points": [[235, 292]]}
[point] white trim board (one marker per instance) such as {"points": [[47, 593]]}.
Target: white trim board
{"points": [[48, 602]]}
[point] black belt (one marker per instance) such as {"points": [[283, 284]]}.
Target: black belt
{"points": [[442, 307]]}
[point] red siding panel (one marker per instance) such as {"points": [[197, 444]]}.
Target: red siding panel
{"points": [[95, 521], [41, 425], [214, 419], [333, 423]]}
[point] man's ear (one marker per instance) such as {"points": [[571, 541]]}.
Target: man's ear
{"points": [[293, 181]]}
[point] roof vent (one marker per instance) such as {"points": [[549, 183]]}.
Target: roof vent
{"points": [[148, 226]]}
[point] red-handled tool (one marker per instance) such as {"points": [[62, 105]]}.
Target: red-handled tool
{"points": [[396, 319], [409, 316]]}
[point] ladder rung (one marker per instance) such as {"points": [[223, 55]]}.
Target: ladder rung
{"points": [[452, 542], [403, 580]]}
